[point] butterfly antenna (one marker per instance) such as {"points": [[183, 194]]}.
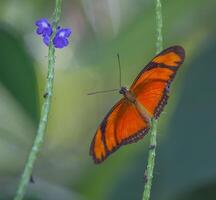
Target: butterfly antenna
{"points": [[119, 64], [113, 90], [102, 91]]}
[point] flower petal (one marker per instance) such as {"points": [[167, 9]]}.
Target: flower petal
{"points": [[58, 42], [41, 21], [46, 40], [65, 41], [67, 32], [39, 31], [44, 27]]}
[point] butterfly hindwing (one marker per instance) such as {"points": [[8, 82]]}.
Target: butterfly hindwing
{"points": [[122, 125]]}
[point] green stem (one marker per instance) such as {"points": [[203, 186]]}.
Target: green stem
{"points": [[151, 161], [44, 111], [159, 25], [153, 135]]}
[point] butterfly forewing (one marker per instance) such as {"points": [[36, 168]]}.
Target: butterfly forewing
{"points": [[151, 87]]}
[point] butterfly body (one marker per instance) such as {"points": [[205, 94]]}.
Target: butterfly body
{"points": [[130, 97], [129, 120], [127, 94]]}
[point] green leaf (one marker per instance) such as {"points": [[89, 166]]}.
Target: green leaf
{"points": [[17, 72]]}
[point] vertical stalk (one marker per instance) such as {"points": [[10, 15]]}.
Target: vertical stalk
{"points": [[153, 135], [151, 161], [39, 139], [159, 25]]}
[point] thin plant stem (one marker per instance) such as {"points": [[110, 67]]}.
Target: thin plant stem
{"points": [[39, 139], [159, 25], [153, 134], [151, 161]]}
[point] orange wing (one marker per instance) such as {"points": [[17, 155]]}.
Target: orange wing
{"points": [[122, 125], [151, 86]]}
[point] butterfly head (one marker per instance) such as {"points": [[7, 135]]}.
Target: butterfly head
{"points": [[123, 90]]}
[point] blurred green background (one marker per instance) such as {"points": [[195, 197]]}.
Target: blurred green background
{"points": [[185, 165]]}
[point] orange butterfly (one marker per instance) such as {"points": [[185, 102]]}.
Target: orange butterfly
{"points": [[129, 120]]}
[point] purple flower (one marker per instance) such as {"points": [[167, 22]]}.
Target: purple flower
{"points": [[44, 27], [45, 30], [61, 38]]}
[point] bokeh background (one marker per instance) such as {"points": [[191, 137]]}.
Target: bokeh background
{"points": [[186, 163]]}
